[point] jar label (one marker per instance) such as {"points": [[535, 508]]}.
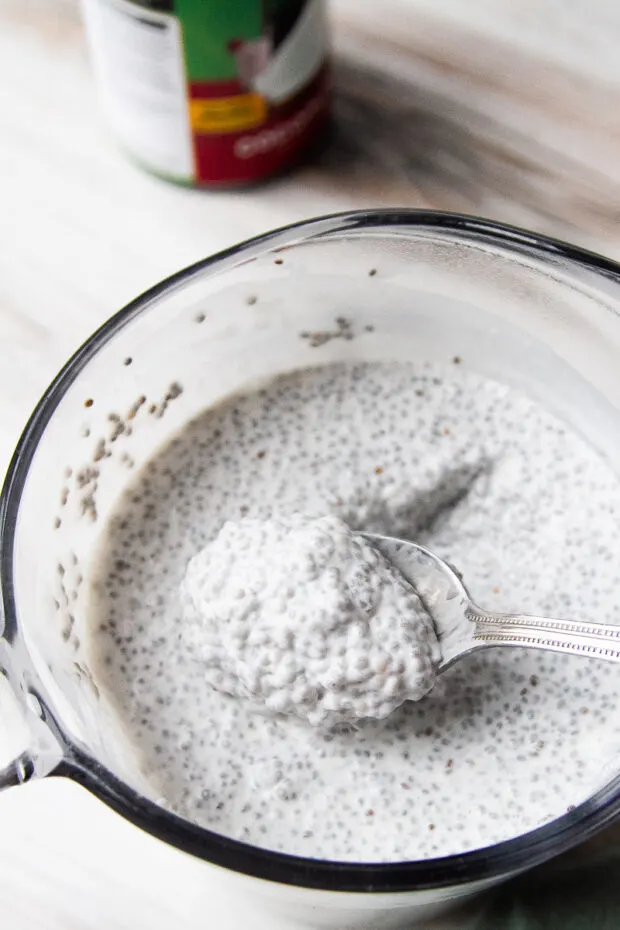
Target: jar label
{"points": [[206, 91]]}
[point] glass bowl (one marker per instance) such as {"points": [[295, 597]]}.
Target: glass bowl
{"points": [[533, 311]]}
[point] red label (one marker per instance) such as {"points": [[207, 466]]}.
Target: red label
{"points": [[248, 154]]}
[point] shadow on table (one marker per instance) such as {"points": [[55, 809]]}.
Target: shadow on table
{"points": [[395, 142], [578, 891]]}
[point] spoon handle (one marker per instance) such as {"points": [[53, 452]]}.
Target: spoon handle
{"points": [[598, 640]]}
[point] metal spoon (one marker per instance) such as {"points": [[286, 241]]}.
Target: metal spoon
{"points": [[463, 628]]}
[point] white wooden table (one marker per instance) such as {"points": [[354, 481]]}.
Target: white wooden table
{"points": [[503, 109]]}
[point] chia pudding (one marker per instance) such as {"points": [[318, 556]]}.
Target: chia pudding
{"points": [[302, 616], [505, 741]]}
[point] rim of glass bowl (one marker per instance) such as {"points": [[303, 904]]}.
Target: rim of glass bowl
{"points": [[477, 865]]}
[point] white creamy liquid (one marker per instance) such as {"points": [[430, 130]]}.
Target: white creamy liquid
{"points": [[506, 740]]}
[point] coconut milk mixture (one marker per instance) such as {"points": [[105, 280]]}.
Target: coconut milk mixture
{"points": [[505, 741]]}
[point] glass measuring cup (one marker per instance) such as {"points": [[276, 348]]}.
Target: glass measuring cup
{"points": [[407, 285]]}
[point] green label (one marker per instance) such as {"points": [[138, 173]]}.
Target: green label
{"points": [[211, 26], [208, 27]]}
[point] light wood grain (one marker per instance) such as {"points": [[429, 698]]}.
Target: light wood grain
{"points": [[508, 110], [444, 115]]}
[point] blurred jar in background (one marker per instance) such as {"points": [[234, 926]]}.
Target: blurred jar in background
{"points": [[211, 92]]}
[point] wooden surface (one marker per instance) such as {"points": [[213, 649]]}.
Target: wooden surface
{"points": [[508, 110]]}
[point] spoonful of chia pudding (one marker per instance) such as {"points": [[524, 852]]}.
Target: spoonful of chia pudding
{"points": [[302, 616]]}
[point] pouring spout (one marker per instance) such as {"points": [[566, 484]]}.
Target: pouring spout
{"points": [[17, 772], [28, 739]]}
